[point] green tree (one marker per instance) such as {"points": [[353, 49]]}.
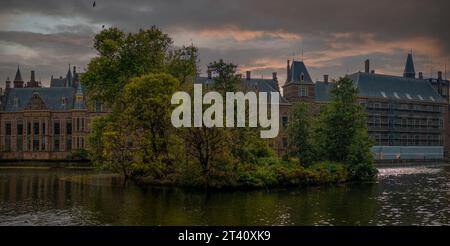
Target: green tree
{"points": [[300, 134], [147, 111], [342, 131], [226, 79], [132, 76]]}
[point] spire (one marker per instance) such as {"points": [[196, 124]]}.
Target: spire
{"points": [[18, 77], [409, 72], [69, 78]]}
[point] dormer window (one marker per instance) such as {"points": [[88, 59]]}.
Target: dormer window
{"points": [[302, 77]]}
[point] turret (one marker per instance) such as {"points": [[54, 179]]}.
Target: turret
{"points": [[409, 72], [7, 85], [18, 81], [79, 98], [69, 78]]}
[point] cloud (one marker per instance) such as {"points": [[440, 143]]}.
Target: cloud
{"points": [[336, 36]]}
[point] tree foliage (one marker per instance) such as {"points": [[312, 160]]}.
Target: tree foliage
{"points": [[300, 142]]}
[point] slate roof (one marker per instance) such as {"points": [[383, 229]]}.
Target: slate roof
{"points": [[410, 71], [18, 98], [297, 68], [61, 82], [18, 76], [263, 85], [322, 91], [387, 87]]}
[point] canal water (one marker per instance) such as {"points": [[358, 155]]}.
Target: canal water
{"points": [[401, 196]]}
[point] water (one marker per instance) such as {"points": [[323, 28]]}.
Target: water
{"points": [[401, 196]]}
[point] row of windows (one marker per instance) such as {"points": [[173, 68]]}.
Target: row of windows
{"points": [[402, 106], [408, 140], [40, 144], [408, 123], [80, 126]]}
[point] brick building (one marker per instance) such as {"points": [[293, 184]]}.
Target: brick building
{"points": [[44, 123]]}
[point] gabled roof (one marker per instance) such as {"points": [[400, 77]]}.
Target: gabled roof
{"points": [[18, 98], [262, 85], [394, 87], [297, 69], [386, 87]]}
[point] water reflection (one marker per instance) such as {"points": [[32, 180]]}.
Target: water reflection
{"points": [[403, 196]]}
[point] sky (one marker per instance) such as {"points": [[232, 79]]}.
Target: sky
{"points": [[331, 37]]}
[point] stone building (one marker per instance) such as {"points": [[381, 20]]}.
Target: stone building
{"points": [[407, 115], [44, 123]]}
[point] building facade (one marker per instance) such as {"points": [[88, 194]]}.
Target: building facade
{"points": [[407, 115], [44, 123]]}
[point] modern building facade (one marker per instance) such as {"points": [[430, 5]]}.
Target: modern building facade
{"points": [[44, 123]]}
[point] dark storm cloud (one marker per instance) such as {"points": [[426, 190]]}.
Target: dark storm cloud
{"points": [[334, 34]]}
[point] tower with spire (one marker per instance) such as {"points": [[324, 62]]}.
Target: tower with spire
{"points": [[18, 81], [69, 78], [410, 71]]}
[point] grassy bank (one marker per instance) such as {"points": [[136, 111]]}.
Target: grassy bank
{"points": [[268, 173]]}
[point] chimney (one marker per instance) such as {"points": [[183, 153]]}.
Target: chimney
{"points": [[440, 75], [288, 70], [8, 84], [367, 66], [32, 79], [274, 76], [209, 74], [249, 75], [420, 75], [325, 78]]}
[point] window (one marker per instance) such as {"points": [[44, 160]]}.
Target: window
{"points": [[35, 145], [43, 144], [404, 140], [69, 144], [19, 129], [82, 123], [82, 142], [28, 128], [56, 145], [56, 129], [78, 124], [285, 121], [43, 128], [36, 128], [302, 77], [19, 144], [8, 129], [303, 91], [69, 127]]}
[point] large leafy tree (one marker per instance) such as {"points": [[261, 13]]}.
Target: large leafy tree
{"points": [[135, 75], [342, 132], [300, 134], [122, 57]]}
